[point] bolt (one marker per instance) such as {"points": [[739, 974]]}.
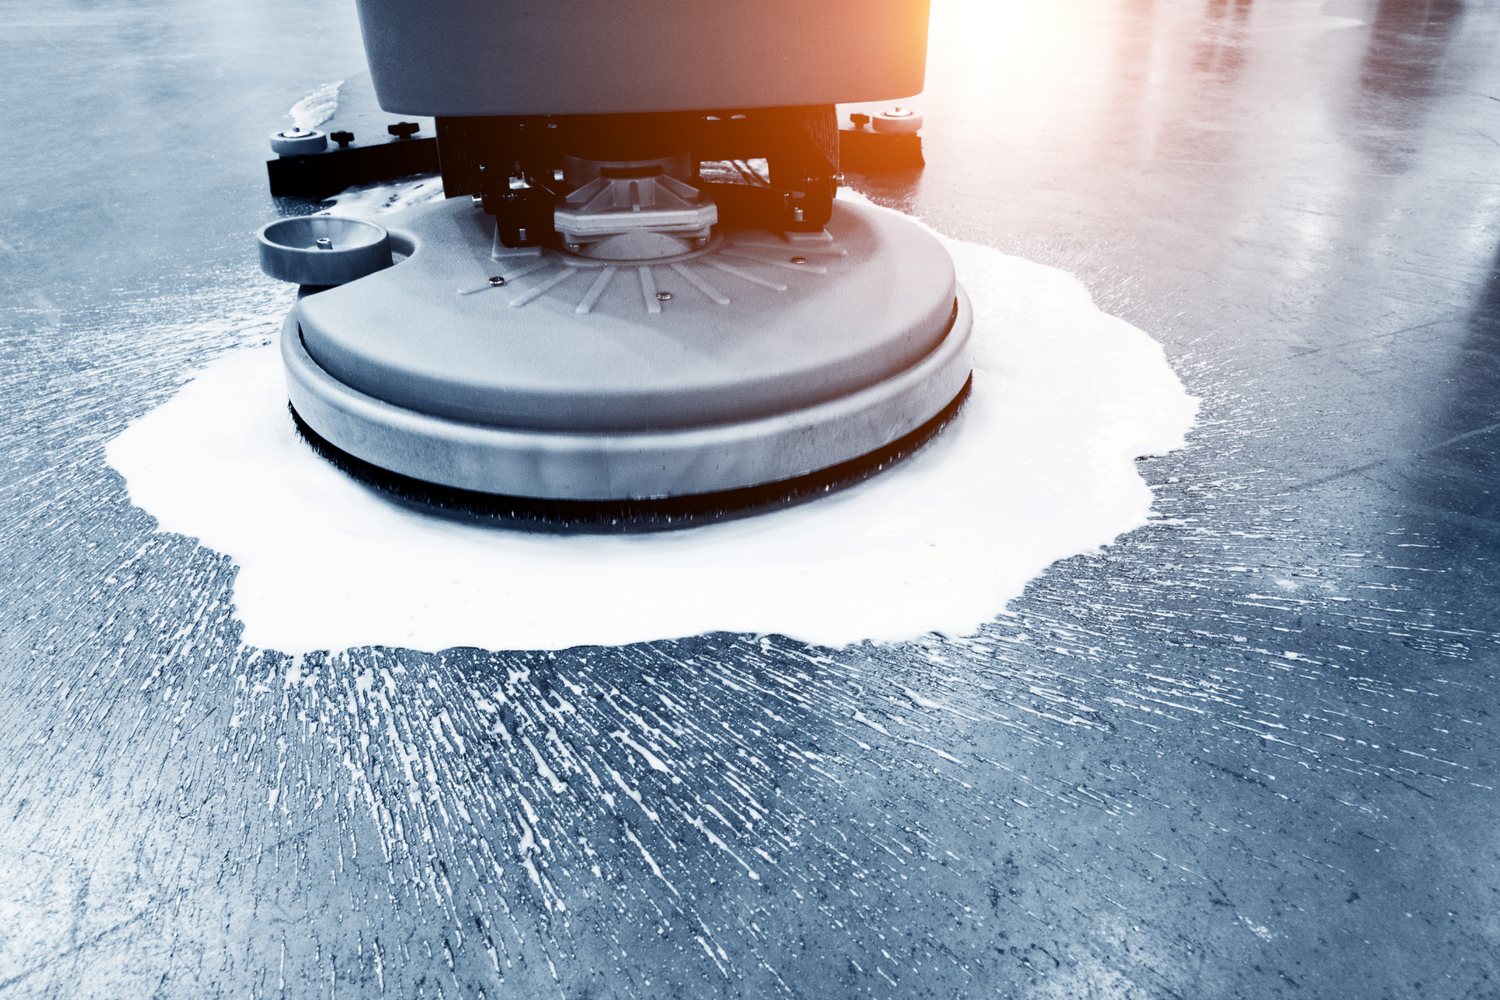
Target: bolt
{"points": [[797, 214], [295, 132], [522, 233], [663, 296], [325, 244], [799, 260], [898, 112], [342, 138], [497, 281]]}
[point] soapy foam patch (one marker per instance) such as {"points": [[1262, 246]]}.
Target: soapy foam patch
{"points": [[1038, 466], [317, 107]]}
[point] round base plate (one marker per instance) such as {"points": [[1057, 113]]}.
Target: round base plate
{"points": [[502, 389], [625, 516]]}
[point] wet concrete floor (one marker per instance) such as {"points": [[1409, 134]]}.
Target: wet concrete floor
{"points": [[1248, 751]]}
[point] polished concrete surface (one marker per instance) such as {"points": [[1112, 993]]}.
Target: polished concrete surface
{"points": [[1249, 751]]}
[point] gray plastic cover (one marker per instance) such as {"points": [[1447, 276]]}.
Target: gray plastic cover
{"points": [[562, 346], [556, 57]]}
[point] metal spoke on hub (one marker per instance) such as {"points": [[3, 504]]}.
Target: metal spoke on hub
{"points": [[500, 280], [596, 290], [544, 287], [747, 276], [702, 286], [778, 246], [648, 289], [797, 263]]}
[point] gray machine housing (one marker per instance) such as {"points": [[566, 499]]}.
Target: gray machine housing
{"points": [[599, 321], [579, 379], [582, 57]]}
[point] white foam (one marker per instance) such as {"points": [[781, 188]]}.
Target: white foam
{"points": [[1038, 466], [317, 107], [371, 200]]}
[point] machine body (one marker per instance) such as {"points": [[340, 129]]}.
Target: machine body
{"points": [[640, 286]]}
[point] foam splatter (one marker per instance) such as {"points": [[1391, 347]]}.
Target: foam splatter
{"points": [[1039, 466], [317, 107]]}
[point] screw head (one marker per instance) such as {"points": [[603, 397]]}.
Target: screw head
{"points": [[799, 260], [497, 280], [325, 244], [663, 296]]}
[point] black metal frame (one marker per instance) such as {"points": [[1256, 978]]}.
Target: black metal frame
{"points": [[317, 175], [510, 162]]}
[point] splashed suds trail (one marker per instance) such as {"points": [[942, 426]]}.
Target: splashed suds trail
{"points": [[1039, 465], [1022, 811]]}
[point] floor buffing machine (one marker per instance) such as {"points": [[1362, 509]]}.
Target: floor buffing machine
{"points": [[639, 305]]}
